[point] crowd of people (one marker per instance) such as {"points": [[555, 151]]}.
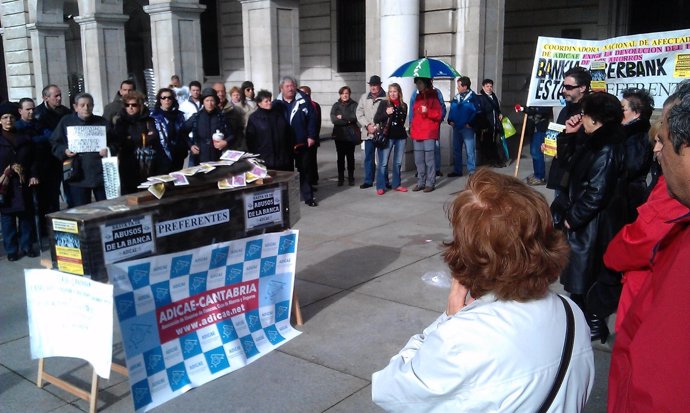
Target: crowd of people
{"points": [[616, 239], [617, 236]]}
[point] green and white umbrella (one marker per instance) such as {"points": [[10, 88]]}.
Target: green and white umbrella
{"points": [[425, 67]]}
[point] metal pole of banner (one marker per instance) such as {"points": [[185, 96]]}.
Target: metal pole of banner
{"points": [[522, 139]]}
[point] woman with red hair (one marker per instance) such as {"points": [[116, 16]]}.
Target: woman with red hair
{"points": [[499, 346]]}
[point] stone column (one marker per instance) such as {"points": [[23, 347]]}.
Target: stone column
{"points": [[270, 32], [103, 51], [17, 48], [176, 40], [479, 41], [49, 56], [397, 47]]}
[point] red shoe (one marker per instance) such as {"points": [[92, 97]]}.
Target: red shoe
{"points": [[401, 189], [380, 192]]}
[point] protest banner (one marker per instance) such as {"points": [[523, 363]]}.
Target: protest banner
{"points": [[86, 138], [653, 61], [70, 316], [190, 317]]}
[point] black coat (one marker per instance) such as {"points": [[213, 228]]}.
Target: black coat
{"points": [[136, 143], [348, 111], [638, 161], [269, 135], [566, 144], [18, 196], [398, 117], [90, 162], [595, 212], [203, 125]]}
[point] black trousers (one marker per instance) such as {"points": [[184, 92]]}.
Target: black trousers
{"points": [[302, 162], [345, 150]]}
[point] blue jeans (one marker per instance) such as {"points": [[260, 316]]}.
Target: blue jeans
{"points": [[369, 167], [537, 155], [9, 231], [437, 154], [397, 146], [463, 135]]}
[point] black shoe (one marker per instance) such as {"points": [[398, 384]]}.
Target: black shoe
{"points": [[597, 328], [438, 173], [453, 175], [30, 254], [311, 203], [389, 186], [365, 186], [340, 182], [351, 181], [12, 257]]}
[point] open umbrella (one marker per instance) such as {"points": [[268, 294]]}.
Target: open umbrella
{"points": [[425, 67]]}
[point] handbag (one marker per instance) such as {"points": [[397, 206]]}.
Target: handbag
{"points": [[354, 133], [380, 139], [565, 357], [71, 170], [508, 128]]}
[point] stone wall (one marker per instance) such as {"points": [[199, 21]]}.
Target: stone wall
{"points": [[17, 47]]}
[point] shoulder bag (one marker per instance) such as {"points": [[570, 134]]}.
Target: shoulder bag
{"points": [[565, 357]]}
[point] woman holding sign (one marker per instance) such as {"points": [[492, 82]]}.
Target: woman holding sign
{"points": [[81, 138]]}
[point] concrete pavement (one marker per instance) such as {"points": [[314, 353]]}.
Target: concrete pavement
{"points": [[360, 262]]}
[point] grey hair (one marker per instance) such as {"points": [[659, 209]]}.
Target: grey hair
{"points": [[46, 90], [286, 79], [679, 123], [83, 95]]}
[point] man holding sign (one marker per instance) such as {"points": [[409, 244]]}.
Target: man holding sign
{"points": [[81, 138]]}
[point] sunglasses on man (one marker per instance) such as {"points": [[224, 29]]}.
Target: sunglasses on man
{"points": [[570, 87]]}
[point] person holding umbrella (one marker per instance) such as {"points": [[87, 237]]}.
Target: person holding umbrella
{"points": [[426, 120]]}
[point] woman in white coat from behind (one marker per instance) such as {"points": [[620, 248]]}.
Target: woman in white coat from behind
{"points": [[500, 344]]}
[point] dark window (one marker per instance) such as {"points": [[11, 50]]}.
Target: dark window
{"points": [[571, 33], [351, 32], [210, 50]]}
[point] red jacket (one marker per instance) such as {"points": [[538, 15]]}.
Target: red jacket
{"points": [[425, 125], [651, 356], [631, 249]]}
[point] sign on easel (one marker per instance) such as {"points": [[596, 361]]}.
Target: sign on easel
{"points": [[70, 316]]}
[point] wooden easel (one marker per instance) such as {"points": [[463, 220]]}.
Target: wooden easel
{"points": [[91, 397], [296, 310]]}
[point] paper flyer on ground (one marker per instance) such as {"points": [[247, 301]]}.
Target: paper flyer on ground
{"points": [[190, 317], [70, 316], [653, 61]]}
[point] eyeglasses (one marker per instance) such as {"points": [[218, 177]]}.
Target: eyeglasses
{"points": [[131, 105], [166, 97], [249, 88], [570, 87]]}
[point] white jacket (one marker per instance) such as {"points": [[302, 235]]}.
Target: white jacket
{"points": [[492, 356]]}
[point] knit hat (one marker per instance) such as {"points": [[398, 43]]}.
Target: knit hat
{"points": [[9, 108], [209, 92]]}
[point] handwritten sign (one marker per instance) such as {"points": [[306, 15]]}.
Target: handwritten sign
{"points": [[86, 138], [70, 316]]}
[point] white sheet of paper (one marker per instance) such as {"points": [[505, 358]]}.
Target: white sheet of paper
{"points": [[70, 316]]}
